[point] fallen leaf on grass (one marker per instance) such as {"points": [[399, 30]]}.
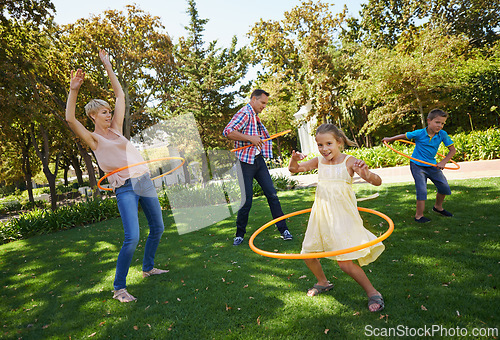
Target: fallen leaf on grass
{"points": [[245, 286], [46, 326], [102, 323], [423, 307], [136, 328], [302, 277], [258, 320], [91, 335], [326, 331], [170, 327], [356, 313]]}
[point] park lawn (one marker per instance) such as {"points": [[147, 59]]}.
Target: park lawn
{"points": [[443, 273]]}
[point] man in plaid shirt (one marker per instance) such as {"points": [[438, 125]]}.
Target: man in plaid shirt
{"points": [[245, 128]]}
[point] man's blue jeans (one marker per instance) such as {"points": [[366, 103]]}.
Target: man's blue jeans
{"points": [[128, 196], [259, 171]]}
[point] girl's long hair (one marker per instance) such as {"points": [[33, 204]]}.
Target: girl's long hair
{"points": [[337, 133]]}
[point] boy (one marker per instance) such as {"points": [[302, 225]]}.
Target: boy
{"points": [[427, 142]]}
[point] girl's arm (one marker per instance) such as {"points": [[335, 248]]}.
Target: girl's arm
{"points": [[77, 127], [295, 167], [119, 113], [445, 160], [392, 139], [358, 166]]}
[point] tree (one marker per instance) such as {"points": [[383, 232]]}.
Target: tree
{"points": [[384, 21], [141, 54], [403, 84], [298, 50], [35, 11], [207, 81], [22, 34]]}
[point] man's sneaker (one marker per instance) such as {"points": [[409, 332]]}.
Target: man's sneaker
{"points": [[237, 240], [286, 235]]}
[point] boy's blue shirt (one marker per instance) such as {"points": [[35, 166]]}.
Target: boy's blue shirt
{"points": [[427, 147]]}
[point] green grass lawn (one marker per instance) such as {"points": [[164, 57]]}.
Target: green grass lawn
{"points": [[443, 273]]}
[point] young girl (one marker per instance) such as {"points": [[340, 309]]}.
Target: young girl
{"points": [[132, 185], [335, 222]]}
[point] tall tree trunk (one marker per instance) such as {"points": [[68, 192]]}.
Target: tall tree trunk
{"points": [[44, 156], [28, 175], [78, 171]]}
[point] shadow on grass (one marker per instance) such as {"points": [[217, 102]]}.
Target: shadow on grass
{"points": [[443, 272]]}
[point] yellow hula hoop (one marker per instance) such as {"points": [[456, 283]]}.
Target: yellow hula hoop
{"points": [[321, 254], [140, 163], [264, 140], [418, 160]]}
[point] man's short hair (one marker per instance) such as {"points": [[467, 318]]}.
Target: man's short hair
{"points": [[259, 92], [437, 113]]}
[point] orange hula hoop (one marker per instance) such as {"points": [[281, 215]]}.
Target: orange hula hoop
{"points": [[325, 253], [264, 140], [140, 163], [418, 160]]}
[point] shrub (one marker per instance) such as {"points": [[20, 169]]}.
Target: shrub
{"points": [[198, 194], [281, 183], [474, 146], [44, 221]]}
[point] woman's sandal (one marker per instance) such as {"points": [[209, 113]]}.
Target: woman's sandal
{"points": [[123, 296], [154, 271], [317, 289], [376, 299]]}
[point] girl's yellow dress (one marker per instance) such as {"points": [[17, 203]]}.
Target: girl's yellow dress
{"points": [[335, 222]]}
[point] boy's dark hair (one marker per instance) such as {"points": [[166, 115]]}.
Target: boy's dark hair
{"points": [[259, 92], [337, 133], [437, 113]]}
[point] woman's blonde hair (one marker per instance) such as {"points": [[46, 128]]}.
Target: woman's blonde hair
{"points": [[94, 105], [337, 133]]}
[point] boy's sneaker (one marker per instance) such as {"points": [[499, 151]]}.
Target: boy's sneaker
{"points": [[442, 212], [237, 241], [422, 219], [286, 235]]}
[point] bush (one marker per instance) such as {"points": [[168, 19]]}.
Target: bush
{"points": [[198, 194], [281, 183], [44, 221], [474, 146]]}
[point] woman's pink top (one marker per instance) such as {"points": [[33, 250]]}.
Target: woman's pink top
{"points": [[116, 153]]}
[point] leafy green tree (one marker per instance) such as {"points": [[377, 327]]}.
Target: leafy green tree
{"points": [[403, 84], [141, 54], [208, 83], [475, 100], [298, 51], [208, 78], [384, 21], [35, 11], [23, 41]]}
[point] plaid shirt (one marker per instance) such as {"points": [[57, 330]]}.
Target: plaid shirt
{"points": [[244, 122]]}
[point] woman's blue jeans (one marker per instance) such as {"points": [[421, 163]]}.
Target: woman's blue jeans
{"points": [[128, 196]]}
